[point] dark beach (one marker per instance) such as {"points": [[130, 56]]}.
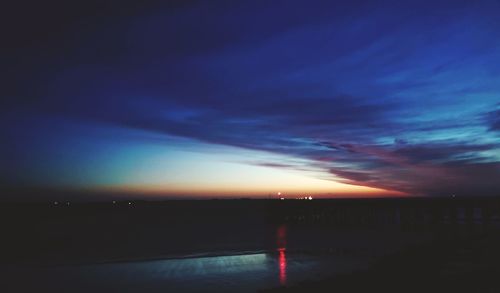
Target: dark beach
{"points": [[250, 245]]}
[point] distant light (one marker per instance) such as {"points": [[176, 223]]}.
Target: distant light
{"points": [[67, 203], [310, 198], [56, 203], [279, 193], [282, 198], [114, 201], [129, 203]]}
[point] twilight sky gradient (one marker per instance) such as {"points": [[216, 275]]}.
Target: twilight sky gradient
{"points": [[242, 98]]}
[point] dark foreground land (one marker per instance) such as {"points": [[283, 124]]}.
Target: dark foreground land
{"points": [[104, 232], [406, 245]]}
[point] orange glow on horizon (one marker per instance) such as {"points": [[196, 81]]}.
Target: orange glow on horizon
{"points": [[353, 191], [176, 173]]}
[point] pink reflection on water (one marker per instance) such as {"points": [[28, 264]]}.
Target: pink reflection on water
{"points": [[281, 237], [282, 261], [281, 243]]}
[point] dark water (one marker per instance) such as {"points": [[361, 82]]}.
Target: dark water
{"points": [[231, 273], [298, 255], [180, 247]]}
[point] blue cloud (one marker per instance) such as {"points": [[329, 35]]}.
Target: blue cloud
{"points": [[403, 97]]}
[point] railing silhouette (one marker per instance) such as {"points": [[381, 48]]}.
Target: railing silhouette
{"points": [[402, 213]]}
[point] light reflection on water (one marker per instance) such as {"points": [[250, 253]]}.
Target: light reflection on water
{"points": [[240, 273], [282, 262], [281, 243], [227, 273]]}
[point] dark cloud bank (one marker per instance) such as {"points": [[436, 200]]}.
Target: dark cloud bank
{"points": [[401, 97]]}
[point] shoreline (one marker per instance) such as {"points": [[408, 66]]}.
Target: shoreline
{"points": [[161, 257]]}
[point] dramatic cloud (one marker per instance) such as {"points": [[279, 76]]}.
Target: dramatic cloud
{"points": [[400, 97]]}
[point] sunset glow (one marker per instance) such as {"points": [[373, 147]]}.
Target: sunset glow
{"points": [[329, 99]]}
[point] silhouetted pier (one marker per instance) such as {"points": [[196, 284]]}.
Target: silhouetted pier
{"points": [[403, 213]]}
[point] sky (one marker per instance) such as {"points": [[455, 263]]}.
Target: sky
{"points": [[250, 98]]}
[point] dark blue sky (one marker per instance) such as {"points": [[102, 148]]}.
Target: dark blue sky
{"points": [[221, 96]]}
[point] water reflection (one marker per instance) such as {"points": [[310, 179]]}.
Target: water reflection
{"points": [[247, 272], [282, 262], [281, 243], [281, 236]]}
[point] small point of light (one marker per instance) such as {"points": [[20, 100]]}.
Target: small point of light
{"points": [[129, 203], [56, 203], [282, 198], [279, 193], [114, 201], [67, 203], [310, 198]]}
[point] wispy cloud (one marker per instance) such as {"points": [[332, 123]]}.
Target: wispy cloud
{"points": [[384, 96]]}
